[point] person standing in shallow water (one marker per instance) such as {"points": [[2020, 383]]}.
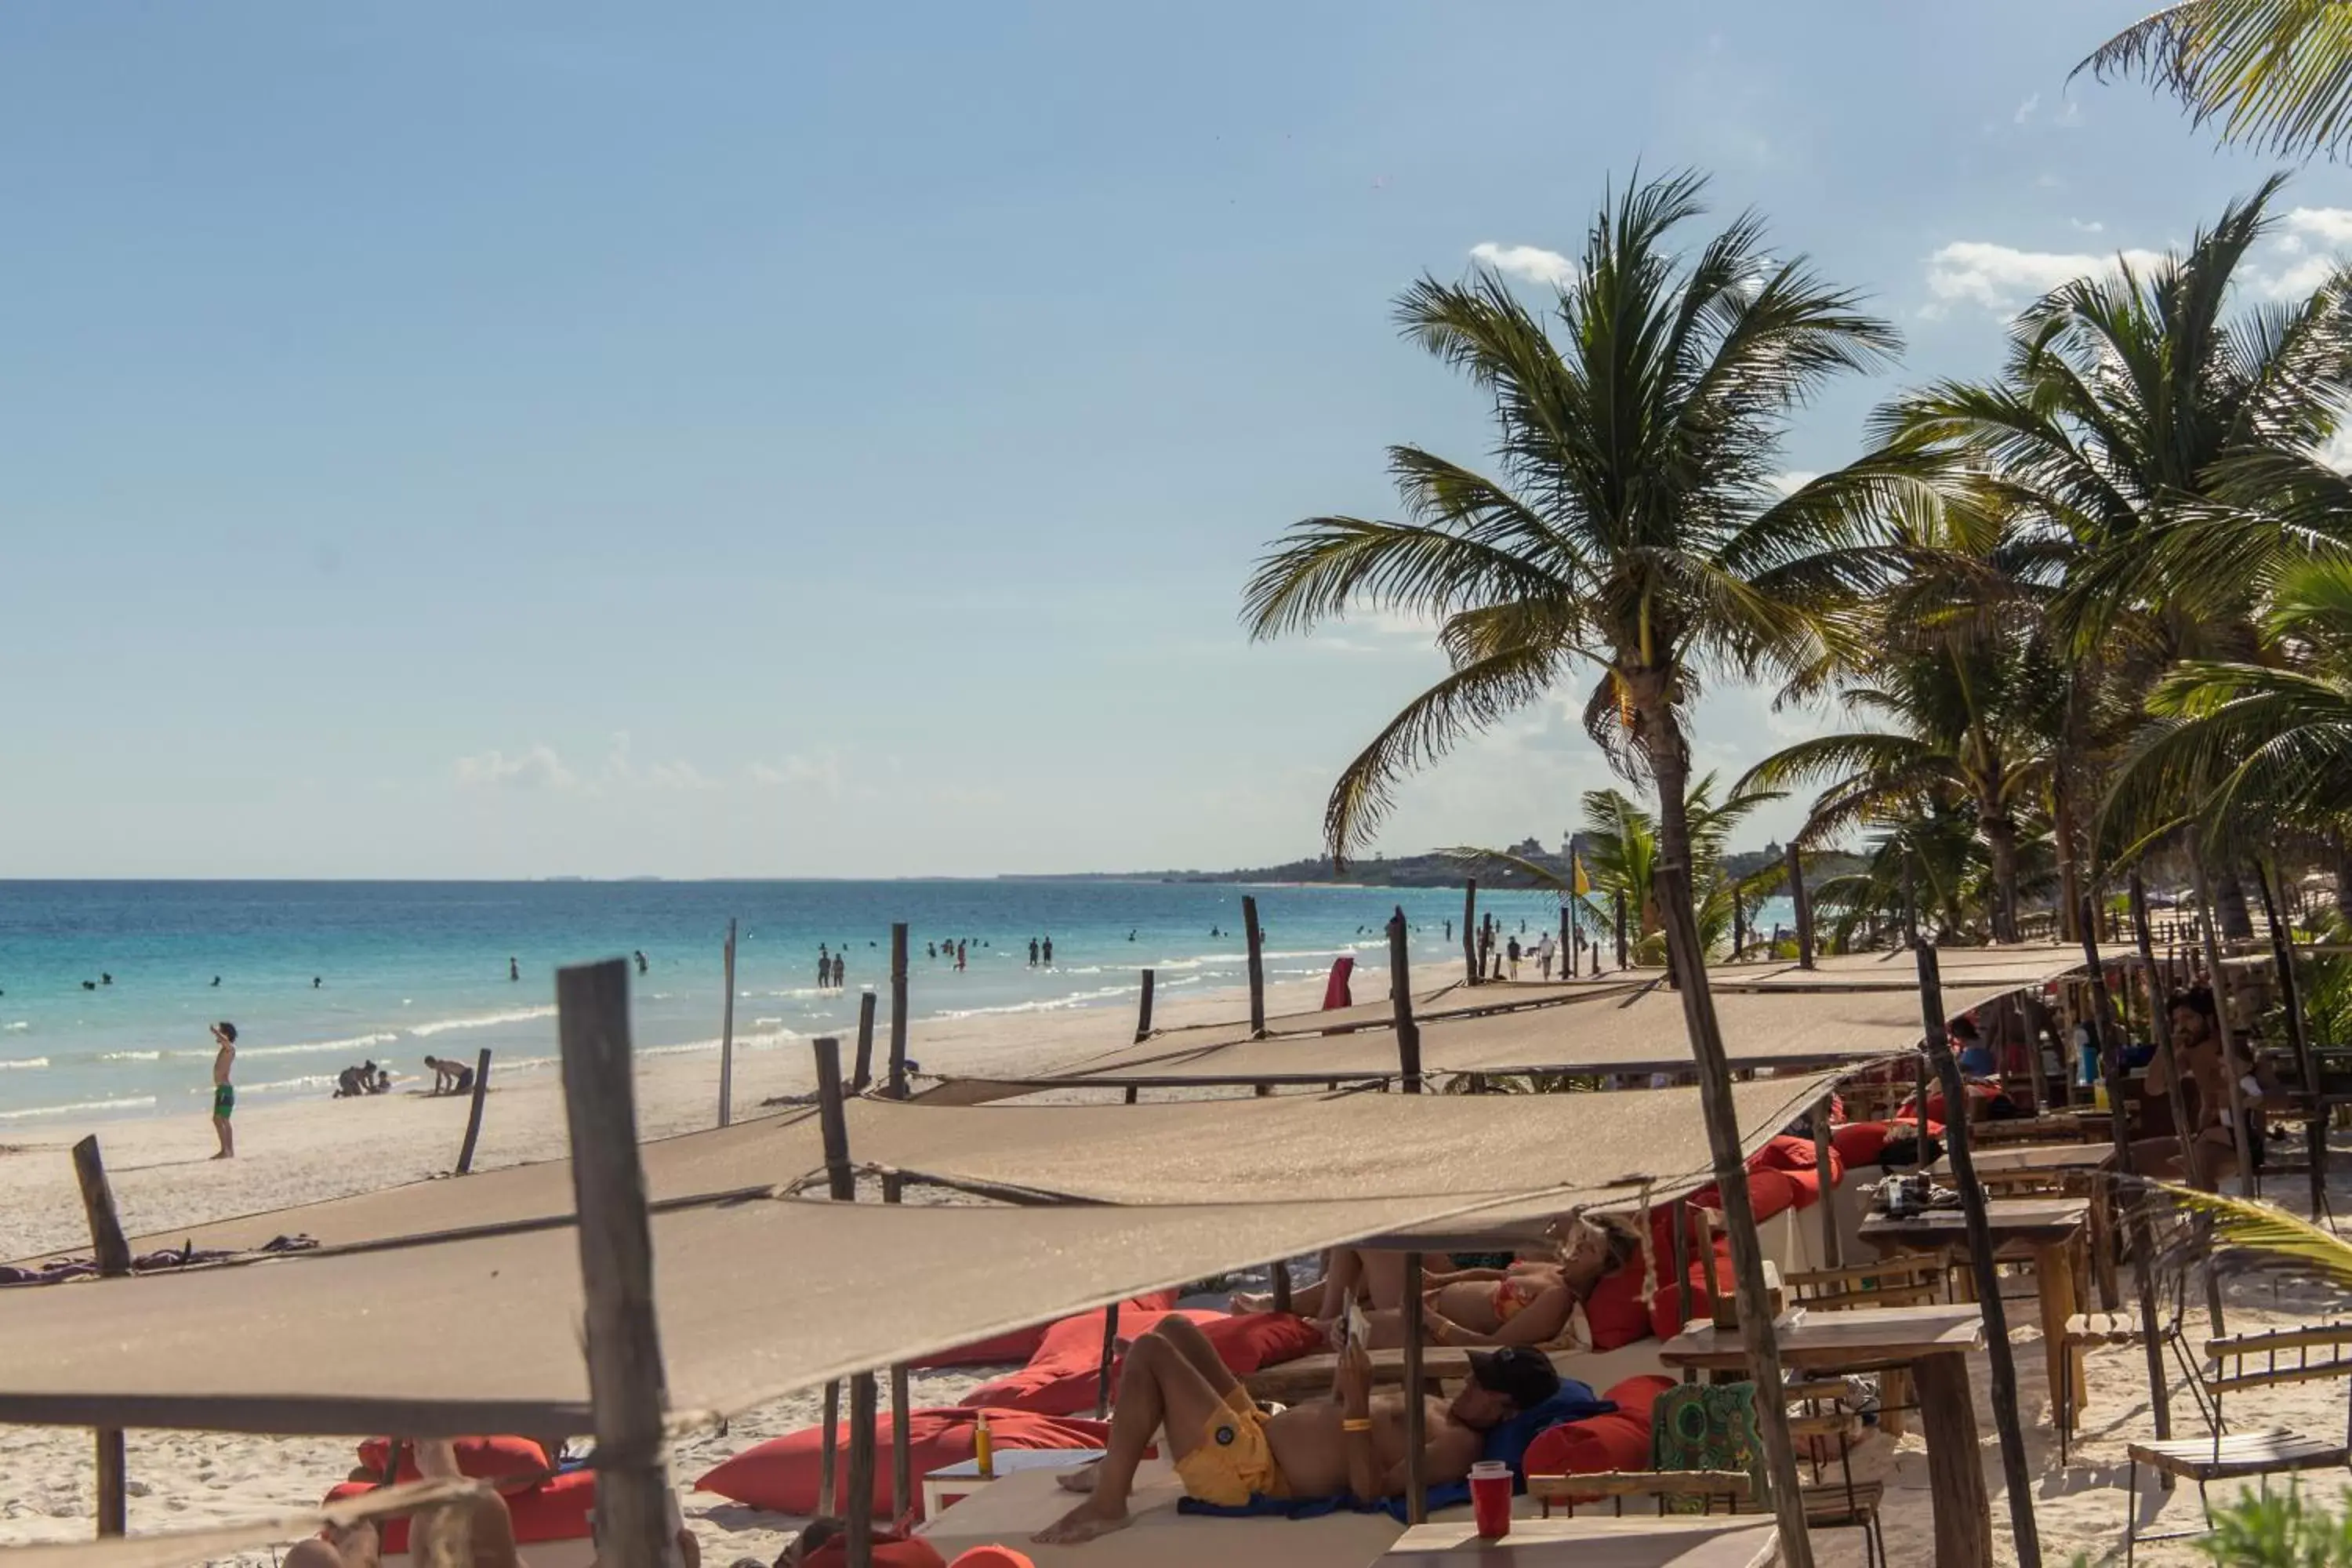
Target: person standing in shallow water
{"points": [[223, 1092], [1049, 953], [514, 969]]}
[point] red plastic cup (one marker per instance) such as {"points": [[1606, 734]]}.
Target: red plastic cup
{"points": [[1490, 1498]]}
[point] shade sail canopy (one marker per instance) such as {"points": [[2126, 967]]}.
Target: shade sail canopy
{"points": [[1637, 1030], [178, 1548], [756, 1300], [1960, 966], [1570, 1150]]}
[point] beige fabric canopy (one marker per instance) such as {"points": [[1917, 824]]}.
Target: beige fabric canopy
{"points": [[178, 1548], [1619, 1031], [1572, 1149], [756, 1300]]}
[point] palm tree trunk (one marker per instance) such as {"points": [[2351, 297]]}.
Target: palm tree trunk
{"points": [[1686, 961], [2070, 865], [2230, 905], [2000, 837], [2344, 879]]}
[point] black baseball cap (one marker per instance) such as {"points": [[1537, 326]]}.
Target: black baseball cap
{"points": [[1525, 1375]]}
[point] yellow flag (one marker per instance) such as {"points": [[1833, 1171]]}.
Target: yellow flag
{"points": [[1577, 881]]}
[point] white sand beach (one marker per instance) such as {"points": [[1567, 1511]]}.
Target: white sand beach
{"points": [[298, 1153]]}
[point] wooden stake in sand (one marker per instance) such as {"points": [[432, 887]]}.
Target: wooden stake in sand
{"points": [[1803, 905], [1621, 929], [898, 944], [1470, 927], [902, 1458], [727, 1037], [841, 1182], [616, 1263], [113, 1256], [862, 1075], [1408, 1033], [474, 1112], [1143, 1011], [2023, 1531], [1257, 967]]}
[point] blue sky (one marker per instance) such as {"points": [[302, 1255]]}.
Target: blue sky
{"points": [[751, 439]]}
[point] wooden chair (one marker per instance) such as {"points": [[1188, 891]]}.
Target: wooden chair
{"points": [[1907, 1280], [2239, 1364], [2085, 1332]]}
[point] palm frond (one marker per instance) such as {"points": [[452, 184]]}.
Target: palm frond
{"points": [[2275, 74]]}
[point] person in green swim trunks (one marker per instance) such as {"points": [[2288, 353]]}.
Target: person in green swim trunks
{"points": [[223, 1092]]}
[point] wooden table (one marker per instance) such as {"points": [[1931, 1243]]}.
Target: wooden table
{"points": [[2052, 1229], [1722, 1542], [2081, 1161], [1933, 1343]]}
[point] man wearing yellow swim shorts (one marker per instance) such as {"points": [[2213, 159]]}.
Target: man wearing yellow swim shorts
{"points": [[1227, 1450]]}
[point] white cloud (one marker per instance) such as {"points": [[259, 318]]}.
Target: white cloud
{"points": [[2299, 281], [2070, 116], [680, 775], [1792, 481], [537, 768], [2025, 110], [1529, 263], [2081, 228], [2001, 278], [821, 771], [2328, 226]]}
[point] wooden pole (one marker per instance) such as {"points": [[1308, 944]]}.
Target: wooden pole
{"points": [[112, 1253], [898, 1020], [862, 1075], [1469, 929], [1621, 929], [2299, 1029], [2108, 1030], [1832, 1245], [1143, 1013], [1257, 967], [1103, 1368], [625, 1387], [2029, 1019], [1803, 905], [841, 1185], [902, 1458], [1567, 940], [1738, 928], [859, 1515], [474, 1112], [2160, 1031], [1416, 1408], [1408, 1033], [2250, 1181], [727, 1037], [2023, 1531]]}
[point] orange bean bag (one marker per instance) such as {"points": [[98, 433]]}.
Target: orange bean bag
{"points": [[1858, 1142], [556, 1510], [1022, 1344], [479, 1458], [1064, 1377], [1619, 1440], [1770, 1193], [890, 1551], [780, 1474], [1618, 1310], [1707, 1278]]}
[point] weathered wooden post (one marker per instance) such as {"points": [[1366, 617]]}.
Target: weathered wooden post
{"points": [[1143, 1011], [898, 945], [841, 1183], [2019, 1479], [1416, 1406], [112, 1255], [1408, 1033], [1803, 905], [1621, 929], [2109, 1032], [1470, 929], [1256, 966], [2314, 1146], [2250, 1181], [727, 1036], [862, 1074], [1103, 1366], [474, 1112], [902, 1458], [2160, 1031], [1832, 1245], [625, 1385]]}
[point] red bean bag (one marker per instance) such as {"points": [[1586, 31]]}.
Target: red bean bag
{"points": [[1858, 1142], [1769, 1192], [1022, 1344], [1618, 1310], [481, 1459], [1066, 1378], [1785, 1152], [1705, 1281], [890, 1551], [1619, 1440], [780, 1474], [556, 1510]]}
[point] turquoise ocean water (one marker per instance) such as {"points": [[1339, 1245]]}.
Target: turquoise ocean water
{"points": [[407, 969]]}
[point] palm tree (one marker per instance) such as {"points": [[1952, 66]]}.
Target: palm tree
{"points": [[1630, 525], [2143, 441], [1622, 840], [2264, 739], [1959, 718], [2276, 73]]}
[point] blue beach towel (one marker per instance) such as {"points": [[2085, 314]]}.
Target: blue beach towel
{"points": [[1509, 1443]]}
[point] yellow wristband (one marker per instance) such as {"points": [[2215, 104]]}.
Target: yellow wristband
{"points": [[1355, 1426]]}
